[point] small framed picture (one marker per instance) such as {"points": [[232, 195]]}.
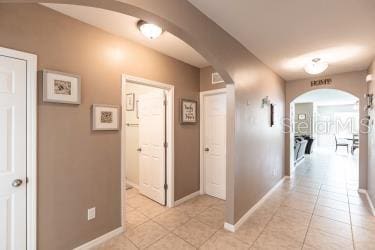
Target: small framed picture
{"points": [[61, 87], [302, 117], [130, 102], [188, 111], [105, 117]]}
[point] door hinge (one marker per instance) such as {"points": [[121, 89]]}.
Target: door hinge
{"points": [[165, 144], [165, 186], [165, 102]]}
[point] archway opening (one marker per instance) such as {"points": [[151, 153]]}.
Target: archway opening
{"points": [[325, 138]]}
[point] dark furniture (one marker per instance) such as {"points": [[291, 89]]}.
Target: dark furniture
{"points": [[299, 148], [340, 143], [310, 141]]}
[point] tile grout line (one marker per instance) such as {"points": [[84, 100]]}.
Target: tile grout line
{"points": [[273, 215], [351, 224], [194, 217], [312, 215]]}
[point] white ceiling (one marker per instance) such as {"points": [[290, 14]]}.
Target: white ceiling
{"points": [[327, 97], [125, 26], [285, 34]]}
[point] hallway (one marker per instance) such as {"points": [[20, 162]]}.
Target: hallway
{"points": [[318, 208]]}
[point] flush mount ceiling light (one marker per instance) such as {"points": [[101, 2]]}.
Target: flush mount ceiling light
{"points": [[149, 30], [316, 66]]}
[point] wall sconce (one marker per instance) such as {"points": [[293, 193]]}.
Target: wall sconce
{"points": [[370, 98], [266, 101]]}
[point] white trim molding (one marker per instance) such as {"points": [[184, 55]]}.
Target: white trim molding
{"points": [[201, 124], [170, 133], [371, 205], [100, 240], [132, 184], [186, 198], [233, 228], [31, 83]]}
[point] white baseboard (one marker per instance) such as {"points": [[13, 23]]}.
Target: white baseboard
{"points": [[132, 184], [186, 198], [233, 228], [365, 192], [100, 240], [229, 227]]}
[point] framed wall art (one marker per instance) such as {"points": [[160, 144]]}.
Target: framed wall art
{"points": [[188, 111], [105, 117], [61, 87], [302, 117]]}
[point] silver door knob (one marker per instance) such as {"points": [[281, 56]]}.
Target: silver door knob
{"points": [[17, 183], [206, 149]]}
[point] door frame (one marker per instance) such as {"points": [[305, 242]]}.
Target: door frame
{"points": [[31, 151], [202, 171], [169, 134]]}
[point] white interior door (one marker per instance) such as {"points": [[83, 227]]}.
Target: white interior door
{"points": [[215, 145], [151, 144], [12, 153]]}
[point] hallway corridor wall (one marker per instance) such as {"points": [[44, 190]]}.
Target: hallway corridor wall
{"points": [[79, 168], [371, 139]]}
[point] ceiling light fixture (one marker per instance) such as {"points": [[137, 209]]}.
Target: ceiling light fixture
{"points": [[149, 30], [316, 66]]}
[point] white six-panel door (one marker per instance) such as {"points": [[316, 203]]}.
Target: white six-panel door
{"points": [[151, 145], [13, 153], [214, 145]]}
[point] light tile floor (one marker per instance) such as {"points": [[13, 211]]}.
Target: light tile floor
{"points": [[318, 208]]}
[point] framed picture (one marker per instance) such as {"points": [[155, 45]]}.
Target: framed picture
{"points": [[61, 87], [130, 102], [105, 117], [272, 118], [302, 117], [188, 111]]}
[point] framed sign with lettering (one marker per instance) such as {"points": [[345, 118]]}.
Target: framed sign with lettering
{"points": [[188, 111], [320, 82]]}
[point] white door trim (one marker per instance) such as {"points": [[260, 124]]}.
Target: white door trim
{"points": [[31, 71], [201, 146], [170, 135]]}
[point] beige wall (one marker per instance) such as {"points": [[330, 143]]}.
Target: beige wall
{"points": [[353, 83], [259, 149], [371, 140], [206, 79], [77, 167], [132, 132], [304, 127], [250, 137]]}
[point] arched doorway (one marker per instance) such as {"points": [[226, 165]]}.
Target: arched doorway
{"points": [[324, 136], [353, 83]]}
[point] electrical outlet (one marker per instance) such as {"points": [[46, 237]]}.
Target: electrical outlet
{"points": [[91, 213]]}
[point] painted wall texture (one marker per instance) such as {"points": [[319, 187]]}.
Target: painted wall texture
{"points": [[371, 139], [78, 168], [255, 151], [353, 83], [206, 79], [304, 127]]}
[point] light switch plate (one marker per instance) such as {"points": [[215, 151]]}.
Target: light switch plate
{"points": [[91, 213]]}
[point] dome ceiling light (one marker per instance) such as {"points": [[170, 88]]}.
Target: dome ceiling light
{"points": [[316, 66], [149, 30]]}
